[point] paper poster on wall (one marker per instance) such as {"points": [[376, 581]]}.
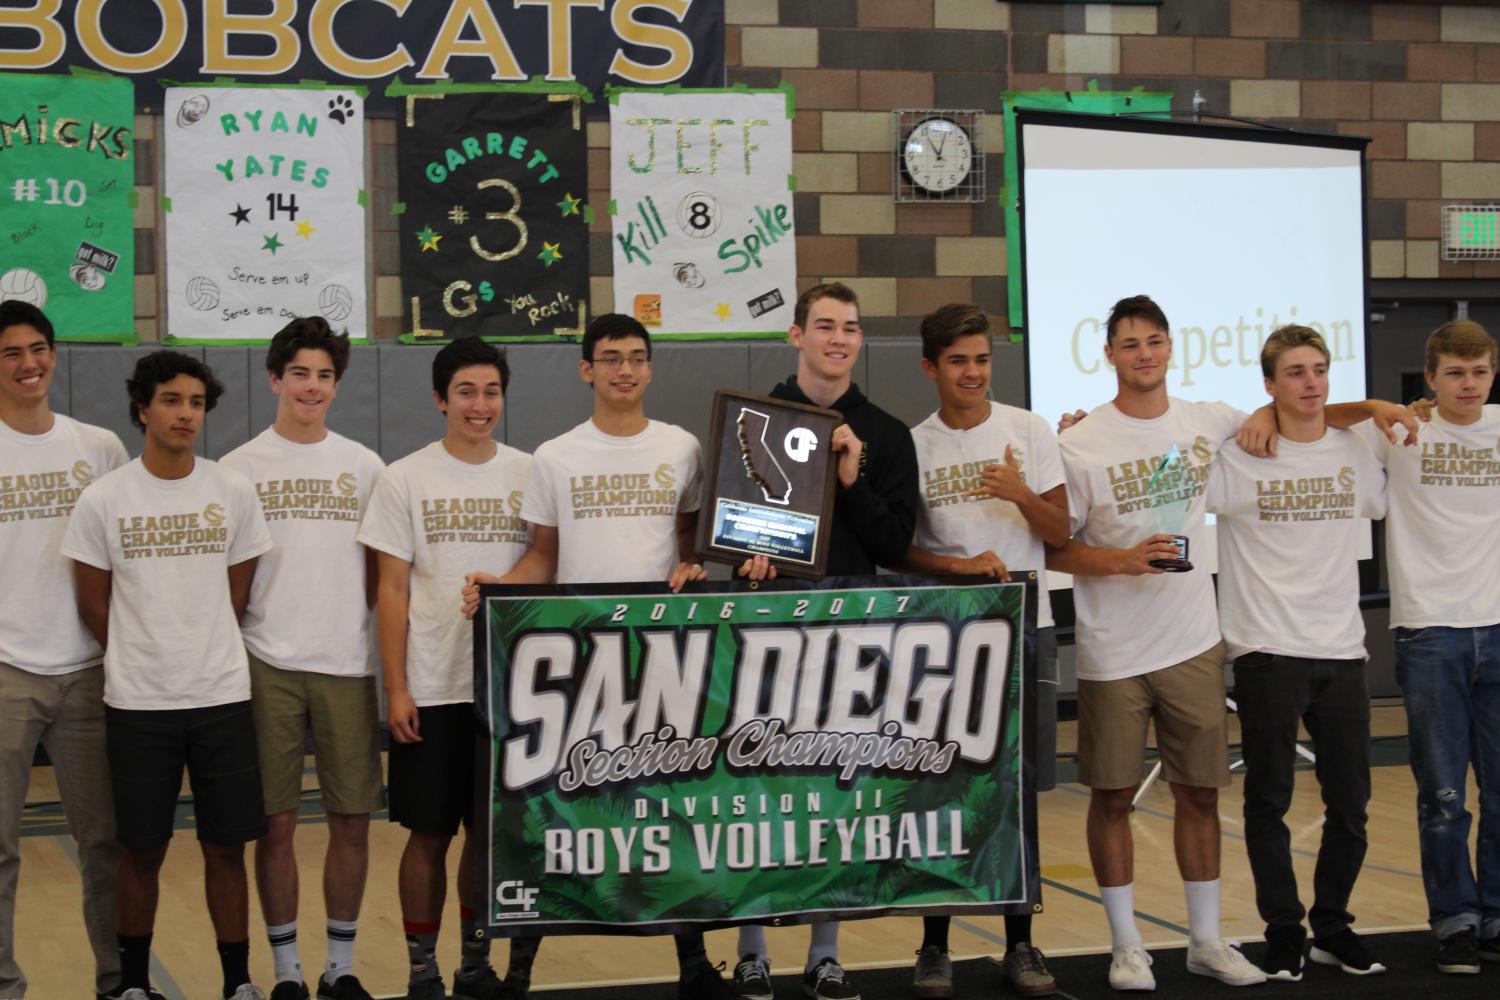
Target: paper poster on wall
{"points": [[704, 241], [494, 229], [68, 165], [265, 221]]}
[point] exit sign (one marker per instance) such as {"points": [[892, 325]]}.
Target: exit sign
{"points": [[1470, 232]]}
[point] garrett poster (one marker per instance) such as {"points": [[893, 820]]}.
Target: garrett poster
{"points": [[266, 222], [704, 237], [67, 168], [494, 234], [661, 762]]}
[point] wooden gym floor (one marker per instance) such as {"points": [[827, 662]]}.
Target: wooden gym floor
{"points": [[50, 942]]}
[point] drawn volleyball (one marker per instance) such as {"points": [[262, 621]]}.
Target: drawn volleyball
{"points": [[27, 286], [335, 303], [202, 293]]}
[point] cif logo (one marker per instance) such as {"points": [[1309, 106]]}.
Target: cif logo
{"points": [[516, 894], [800, 443], [666, 476], [83, 473], [348, 484], [214, 514]]}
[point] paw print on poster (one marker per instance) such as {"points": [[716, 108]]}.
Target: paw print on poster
{"points": [[340, 109]]}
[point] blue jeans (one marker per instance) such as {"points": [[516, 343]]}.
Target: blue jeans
{"points": [[1451, 679]]}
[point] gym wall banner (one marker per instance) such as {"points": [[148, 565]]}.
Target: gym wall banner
{"points": [[67, 237], [493, 181], [704, 239], [729, 754], [647, 43], [265, 212]]}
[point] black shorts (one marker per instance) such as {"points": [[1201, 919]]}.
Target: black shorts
{"points": [[147, 751], [432, 782]]}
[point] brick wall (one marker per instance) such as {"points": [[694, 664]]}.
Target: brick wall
{"points": [[1422, 79]]}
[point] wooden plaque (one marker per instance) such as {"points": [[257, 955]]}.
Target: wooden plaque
{"points": [[769, 483]]}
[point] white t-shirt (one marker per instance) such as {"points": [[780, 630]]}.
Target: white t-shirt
{"points": [[614, 500], [1131, 625], [447, 518], [1289, 534], [168, 543], [951, 462], [1444, 495], [41, 477], [307, 606]]}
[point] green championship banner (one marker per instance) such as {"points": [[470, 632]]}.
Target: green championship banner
{"points": [[745, 754], [67, 169]]}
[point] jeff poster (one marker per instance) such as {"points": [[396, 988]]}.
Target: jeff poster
{"points": [[664, 761], [67, 169], [264, 211], [494, 225], [704, 239]]}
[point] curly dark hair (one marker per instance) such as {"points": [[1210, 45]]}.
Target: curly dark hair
{"points": [[160, 367], [307, 333]]}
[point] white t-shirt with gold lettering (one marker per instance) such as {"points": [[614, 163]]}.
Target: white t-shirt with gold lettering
{"points": [[1444, 492], [951, 462], [1131, 625], [447, 518], [168, 543], [307, 606], [614, 500], [1289, 530], [41, 477]]}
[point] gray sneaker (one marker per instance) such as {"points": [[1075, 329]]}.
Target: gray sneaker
{"points": [[933, 979], [1026, 972]]}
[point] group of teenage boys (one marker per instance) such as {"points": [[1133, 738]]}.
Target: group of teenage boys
{"points": [[275, 556]]}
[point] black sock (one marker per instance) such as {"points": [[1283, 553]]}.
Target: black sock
{"points": [[1017, 930], [692, 954], [135, 961], [234, 958], [522, 956], [935, 932]]}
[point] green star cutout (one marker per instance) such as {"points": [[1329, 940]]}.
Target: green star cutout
{"points": [[428, 239], [569, 204], [550, 253], [272, 244]]}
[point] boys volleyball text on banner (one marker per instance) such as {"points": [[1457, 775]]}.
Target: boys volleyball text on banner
{"points": [[703, 232], [494, 233], [664, 761], [265, 221], [67, 162]]}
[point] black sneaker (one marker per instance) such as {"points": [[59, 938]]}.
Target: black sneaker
{"points": [[1489, 949], [131, 993], [1346, 951], [288, 990], [345, 987], [430, 988], [752, 978], [479, 984], [1458, 954], [705, 982], [1282, 959], [825, 981]]}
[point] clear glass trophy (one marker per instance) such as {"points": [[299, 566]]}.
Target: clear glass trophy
{"points": [[1171, 494]]}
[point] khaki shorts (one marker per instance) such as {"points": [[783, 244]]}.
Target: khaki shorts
{"points": [[341, 714], [1186, 700]]}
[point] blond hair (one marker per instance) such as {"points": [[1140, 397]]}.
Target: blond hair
{"points": [[1285, 338]]}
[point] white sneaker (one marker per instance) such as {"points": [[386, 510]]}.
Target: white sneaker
{"points": [[1130, 969], [1222, 961], [247, 991]]}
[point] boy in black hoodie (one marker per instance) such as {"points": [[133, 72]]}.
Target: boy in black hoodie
{"points": [[874, 518]]}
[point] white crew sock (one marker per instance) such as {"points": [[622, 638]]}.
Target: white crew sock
{"points": [[753, 940], [340, 949], [283, 938], [1203, 911], [1119, 907], [822, 943]]}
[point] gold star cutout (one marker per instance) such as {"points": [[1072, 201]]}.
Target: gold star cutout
{"points": [[550, 253], [305, 229], [428, 239], [569, 204], [723, 312]]}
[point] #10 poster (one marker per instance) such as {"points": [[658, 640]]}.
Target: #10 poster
{"points": [[266, 221], [67, 169], [704, 239]]}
